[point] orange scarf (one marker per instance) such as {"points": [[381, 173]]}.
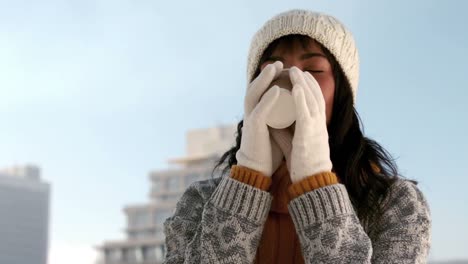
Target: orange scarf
{"points": [[279, 242]]}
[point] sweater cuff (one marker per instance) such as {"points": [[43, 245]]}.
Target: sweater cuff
{"points": [[320, 205], [251, 177], [311, 183], [238, 198]]}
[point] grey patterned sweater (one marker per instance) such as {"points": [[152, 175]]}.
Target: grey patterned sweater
{"points": [[221, 221]]}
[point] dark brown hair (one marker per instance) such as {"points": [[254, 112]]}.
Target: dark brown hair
{"points": [[362, 165]]}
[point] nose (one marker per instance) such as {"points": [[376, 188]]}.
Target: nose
{"points": [[289, 62]]}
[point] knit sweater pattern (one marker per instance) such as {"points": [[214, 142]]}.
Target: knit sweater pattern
{"points": [[221, 220]]}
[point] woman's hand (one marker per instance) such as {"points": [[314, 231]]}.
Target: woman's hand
{"points": [[257, 150], [310, 150]]}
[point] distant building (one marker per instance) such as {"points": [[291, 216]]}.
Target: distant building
{"points": [[24, 221], [145, 239]]}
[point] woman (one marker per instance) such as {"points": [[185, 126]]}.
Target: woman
{"points": [[320, 192]]}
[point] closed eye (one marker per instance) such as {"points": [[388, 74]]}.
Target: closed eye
{"points": [[311, 71]]}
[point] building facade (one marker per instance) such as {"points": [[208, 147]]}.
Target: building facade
{"points": [[24, 221], [144, 243]]}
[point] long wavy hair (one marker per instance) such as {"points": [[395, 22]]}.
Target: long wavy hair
{"points": [[361, 164]]}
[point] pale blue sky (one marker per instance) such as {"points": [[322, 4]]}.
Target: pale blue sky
{"points": [[99, 93]]}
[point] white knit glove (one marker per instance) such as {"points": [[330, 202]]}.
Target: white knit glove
{"points": [[310, 150], [256, 151]]}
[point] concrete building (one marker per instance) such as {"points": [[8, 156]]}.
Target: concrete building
{"points": [[144, 243], [24, 221]]}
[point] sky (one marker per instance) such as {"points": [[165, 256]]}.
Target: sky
{"points": [[99, 93]]}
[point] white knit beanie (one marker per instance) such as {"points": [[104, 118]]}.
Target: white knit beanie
{"points": [[325, 29]]}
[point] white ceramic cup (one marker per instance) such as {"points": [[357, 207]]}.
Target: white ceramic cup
{"points": [[283, 113]]}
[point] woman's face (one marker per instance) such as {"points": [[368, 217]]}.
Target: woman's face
{"points": [[314, 61]]}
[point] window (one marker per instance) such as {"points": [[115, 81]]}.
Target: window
{"points": [[159, 253], [142, 234], [163, 198], [153, 253], [124, 254], [173, 183], [159, 185], [176, 197], [139, 218], [157, 199], [113, 254], [161, 215], [190, 178], [159, 234], [131, 254], [148, 253]]}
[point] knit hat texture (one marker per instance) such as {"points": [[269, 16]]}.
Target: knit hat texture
{"points": [[325, 29]]}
